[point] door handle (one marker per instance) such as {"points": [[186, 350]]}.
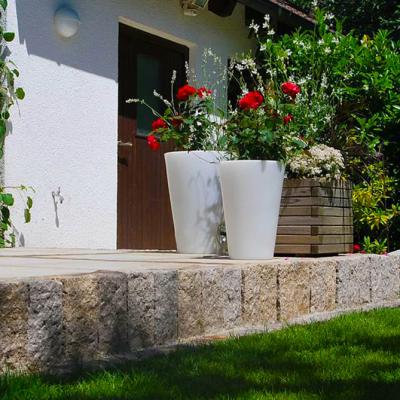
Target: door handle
{"points": [[124, 144]]}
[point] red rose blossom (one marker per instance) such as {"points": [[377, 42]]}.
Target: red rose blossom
{"points": [[185, 92], [153, 143], [158, 124], [356, 248], [251, 100], [203, 91], [291, 89], [287, 118]]}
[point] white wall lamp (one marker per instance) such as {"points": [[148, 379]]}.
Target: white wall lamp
{"points": [[191, 7], [66, 22]]}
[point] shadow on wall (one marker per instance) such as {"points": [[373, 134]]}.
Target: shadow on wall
{"points": [[93, 49]]}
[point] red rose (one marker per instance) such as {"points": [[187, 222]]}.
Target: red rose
{"points": [[356, 248], [291, 89], [203, 91], [153, 143], [251, 100], [185, 92], [158, 124], [287, 118]]}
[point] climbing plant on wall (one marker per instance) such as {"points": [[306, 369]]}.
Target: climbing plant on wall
{"points": [[9, 94]]}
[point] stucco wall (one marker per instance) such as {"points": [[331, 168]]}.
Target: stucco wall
{"points": [[64, 134]]}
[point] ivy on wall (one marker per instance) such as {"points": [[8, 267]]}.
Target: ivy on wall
{"points": [[9, 94]]}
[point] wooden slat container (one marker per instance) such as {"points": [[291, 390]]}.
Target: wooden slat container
{"points": [[316, 218]]}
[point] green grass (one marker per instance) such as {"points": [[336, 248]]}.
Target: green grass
{"points": [[351, 357]]}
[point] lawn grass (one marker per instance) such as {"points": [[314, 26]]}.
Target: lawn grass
{"points": [[351, 357]]}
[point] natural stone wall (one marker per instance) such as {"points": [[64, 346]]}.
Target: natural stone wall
{"points": [[70, 320]]}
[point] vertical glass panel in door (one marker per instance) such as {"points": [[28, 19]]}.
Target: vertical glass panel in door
{"points": [[148, 80]]}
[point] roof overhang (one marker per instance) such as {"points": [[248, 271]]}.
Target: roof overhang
{"points": [[282, 9]]}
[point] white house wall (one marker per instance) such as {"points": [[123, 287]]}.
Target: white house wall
{"points": [[64, 134]]}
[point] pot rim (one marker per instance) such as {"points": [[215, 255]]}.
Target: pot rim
{"points": [[195, 151], [253, 161]]}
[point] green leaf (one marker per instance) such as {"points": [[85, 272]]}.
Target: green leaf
{"points": [[5, 212], [3, 129], [8, 36], [27, 215], [29, 202], [3, 4], [300, 143], [8, 199], [20, 93], [15, 72], [6, 115]]}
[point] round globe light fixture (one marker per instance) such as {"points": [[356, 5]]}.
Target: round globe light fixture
{"points": [[66, 22]]}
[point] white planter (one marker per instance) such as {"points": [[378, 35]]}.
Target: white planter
{"points": [[251, 192], [196, 202]]}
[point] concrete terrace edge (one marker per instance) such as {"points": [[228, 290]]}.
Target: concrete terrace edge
{"points": [[63, 322]]}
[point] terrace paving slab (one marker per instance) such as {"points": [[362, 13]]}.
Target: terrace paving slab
{"points": [[30, 263]]}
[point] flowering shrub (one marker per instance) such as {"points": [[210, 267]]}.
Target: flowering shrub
{"points": [[349, 100], [261, 127], [186, 121], [190, 117], [320, 161]]}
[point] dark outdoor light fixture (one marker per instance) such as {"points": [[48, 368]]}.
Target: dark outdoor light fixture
{"points": [[223, 8], [200, 3], [191, 7]]}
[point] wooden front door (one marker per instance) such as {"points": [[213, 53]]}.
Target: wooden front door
{"points": [[146, 63]]}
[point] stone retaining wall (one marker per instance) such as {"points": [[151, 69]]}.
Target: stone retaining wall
{"points": [[63, 321]]}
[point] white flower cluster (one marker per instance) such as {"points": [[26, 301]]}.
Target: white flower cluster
{"points": [[247, 64], [320, 161]]}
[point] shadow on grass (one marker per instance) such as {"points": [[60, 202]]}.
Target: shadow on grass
{"points": [[352, 357]]}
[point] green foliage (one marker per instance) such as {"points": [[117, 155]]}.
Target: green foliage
{"points": [[375, 246], [362, 16], [8, 96], [374, 211], [350, 100], [352, 357], [7, 200]]}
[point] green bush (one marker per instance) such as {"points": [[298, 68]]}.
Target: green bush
{"points": [[351, 90], [361, 16]]}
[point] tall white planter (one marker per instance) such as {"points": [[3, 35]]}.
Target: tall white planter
{"points": [[196, 202], [251, 192]]}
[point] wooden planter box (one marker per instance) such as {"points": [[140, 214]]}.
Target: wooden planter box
{"points": [[316, 218]]}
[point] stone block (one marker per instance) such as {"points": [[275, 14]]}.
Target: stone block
{"points": [[385, 278], [113, 313], [259, 294], [353, 281], [293, 290], [190, 303], [81, 305], [213, 300], [141, 297], [13, 326], [232, 292], [322, 285], [165, 307], [45, 324]]}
